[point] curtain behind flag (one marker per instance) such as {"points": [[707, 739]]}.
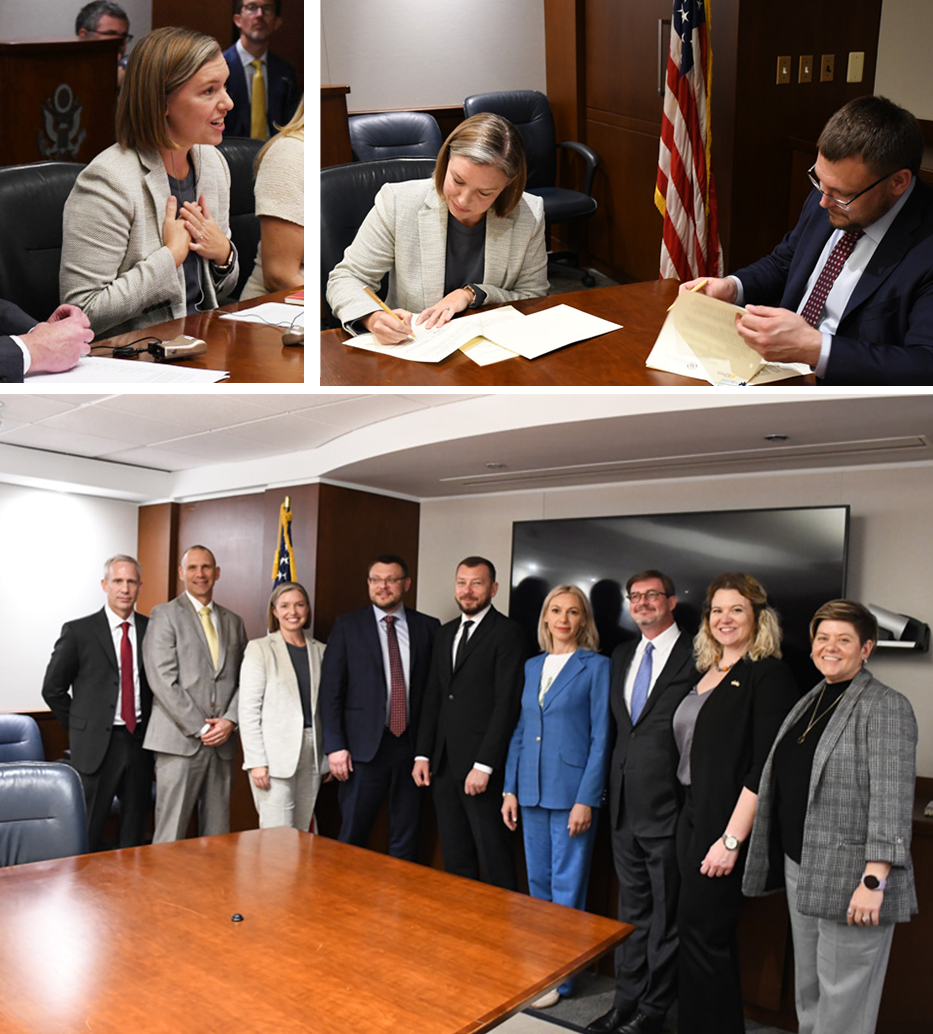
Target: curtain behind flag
{"points": [[685, 194], [283, 569]]}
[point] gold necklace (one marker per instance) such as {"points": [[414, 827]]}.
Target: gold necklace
{"points": [[814, 718]]}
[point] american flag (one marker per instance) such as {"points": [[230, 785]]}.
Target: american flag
{"points": [[685, 194], [283, 570]]}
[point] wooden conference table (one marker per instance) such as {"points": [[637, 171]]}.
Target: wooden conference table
{"points": [[617, 358], [333, 939], [252, 352]]}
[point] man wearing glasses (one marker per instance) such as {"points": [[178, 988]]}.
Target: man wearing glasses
{"points": [[263, 87], [849, 290], [650, 677], [105, 20], [372, 683]]}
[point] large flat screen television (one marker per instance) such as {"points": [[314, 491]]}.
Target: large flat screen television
{"points": [[798, 554]]}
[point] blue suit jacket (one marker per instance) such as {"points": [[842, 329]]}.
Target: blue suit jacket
{"points": [[281, 100], [559, 754], [885, 335], [12, 321], [352, 695]]}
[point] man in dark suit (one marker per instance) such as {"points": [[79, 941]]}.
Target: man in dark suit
{"points": [[276, 89], [470, 710], [372, 684], [28, 346], [98, 659], [650, 677], [849, 291]]}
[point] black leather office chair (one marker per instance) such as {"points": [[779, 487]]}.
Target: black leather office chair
{"points": [[530, 112], [32, 198], [42, 812], [19, 738], [394, 134], [240, 153], [347, 195]]}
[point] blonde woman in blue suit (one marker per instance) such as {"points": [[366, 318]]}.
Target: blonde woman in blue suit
{"points": [[280, 721], [559, 754]]}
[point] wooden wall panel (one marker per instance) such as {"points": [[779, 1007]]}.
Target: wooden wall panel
{"points": [[157, 554]]}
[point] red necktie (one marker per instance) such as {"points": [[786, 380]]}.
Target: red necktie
{"points": [[127, 696], [397, 710], [837, 259]]}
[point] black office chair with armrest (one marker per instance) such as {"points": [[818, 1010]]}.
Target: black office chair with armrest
{"points": [[530, 112], [240, 152], [347, 195], [19, 737], [42, 813], [394, 134], [32, 199]]}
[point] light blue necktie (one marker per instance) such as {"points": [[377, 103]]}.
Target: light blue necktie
{"points": [[642, 682]]}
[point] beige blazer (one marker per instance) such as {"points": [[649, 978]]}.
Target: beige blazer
{"points": [[271, 719], [114, 264], [405, 235]]}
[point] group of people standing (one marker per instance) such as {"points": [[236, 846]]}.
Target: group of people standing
{"points": [[721, 781]]}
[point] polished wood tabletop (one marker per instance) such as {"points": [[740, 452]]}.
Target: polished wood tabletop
{"points": [[252, 352], [617, 358], [333, 939]]}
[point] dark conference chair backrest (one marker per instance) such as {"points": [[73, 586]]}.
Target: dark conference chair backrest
{"points": [[19, 738], [530, 112], [347, 195], [394, 134], [32, 199], [42, 812], [240, 153]]}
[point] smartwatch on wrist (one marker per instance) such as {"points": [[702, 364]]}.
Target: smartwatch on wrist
{"points": [[872, 882]]}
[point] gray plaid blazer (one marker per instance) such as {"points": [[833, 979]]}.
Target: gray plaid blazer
{"points": [[405, 235], [858, 808], [114, 265]]}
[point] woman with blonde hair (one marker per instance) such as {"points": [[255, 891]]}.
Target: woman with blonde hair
{"points": [[724, 729], [483, 238], [145, 234], [559, 754], [280, 205]]}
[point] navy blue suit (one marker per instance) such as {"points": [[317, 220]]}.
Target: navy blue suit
{"points": [[885, 335], [12, 321], [282, 94], [353, 698]]}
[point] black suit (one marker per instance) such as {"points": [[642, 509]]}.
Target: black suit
{"points": [[110, 760], [353, 705], [282, 94], [12, 321], [469, 715], [644, 799]]}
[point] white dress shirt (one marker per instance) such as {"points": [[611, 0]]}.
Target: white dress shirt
{"points": [[247, 58], [404, 649], [116, 630], [663, 644]]}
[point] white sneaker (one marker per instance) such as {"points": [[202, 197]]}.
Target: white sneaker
{"points": [[546, 1000]]}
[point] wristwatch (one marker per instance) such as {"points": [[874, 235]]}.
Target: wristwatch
{"points": [[872, 882], [472, 290], [732, 843]]}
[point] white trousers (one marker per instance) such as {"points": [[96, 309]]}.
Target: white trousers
{"points": [[290, 802]]}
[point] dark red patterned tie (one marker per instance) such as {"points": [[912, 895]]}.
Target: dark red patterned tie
{"points": [[397, 719], [127, 695], [813, 310]]}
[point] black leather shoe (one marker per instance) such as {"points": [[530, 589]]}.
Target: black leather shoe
{"points": [[610, 1021], [641, 1024]]}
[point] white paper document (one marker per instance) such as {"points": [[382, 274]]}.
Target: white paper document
{"points": [[94, 369], [699, 340], [544, 331], [276, 314]]}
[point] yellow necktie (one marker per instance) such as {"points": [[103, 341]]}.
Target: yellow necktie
{"points": [[258, 126], [209, 632]]}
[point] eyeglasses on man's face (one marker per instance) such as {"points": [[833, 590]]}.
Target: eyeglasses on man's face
{"points": [[385, 581], [651, 595], [838, 201], [266, 10]]}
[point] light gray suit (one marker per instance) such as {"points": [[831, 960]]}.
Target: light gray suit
{"points": [[405, 235], [114, 264], [187, 690], [272, 726]]}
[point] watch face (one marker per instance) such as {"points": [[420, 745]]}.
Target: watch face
{"points": [[730, 842], [871, 882]]}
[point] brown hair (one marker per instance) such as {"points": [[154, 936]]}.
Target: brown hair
{"points": [[487, 139], [161, 63], [273, 621], [589, 637], [650, 575], [884, 135], [855, 614], [767, 639]]}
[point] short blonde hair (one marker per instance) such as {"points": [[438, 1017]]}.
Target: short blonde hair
{"points": [[296, 127], [766, 641], [161, 63], [487, 139], [588, 638]]}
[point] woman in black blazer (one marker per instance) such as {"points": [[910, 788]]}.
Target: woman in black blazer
{"points": [[724, 729]]}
